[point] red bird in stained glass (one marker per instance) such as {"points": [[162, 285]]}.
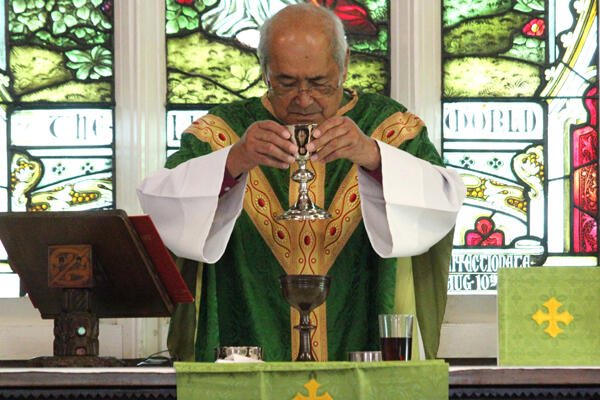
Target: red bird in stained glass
{"points": [[354, 16]]}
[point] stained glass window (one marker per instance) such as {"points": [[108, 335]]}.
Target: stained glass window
{"points": [[520, 106], [211, 52], [56, 108]]}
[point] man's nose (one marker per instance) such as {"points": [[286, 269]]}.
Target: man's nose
{"points": [[304, 98]]}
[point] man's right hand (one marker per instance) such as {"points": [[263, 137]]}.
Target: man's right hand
{"points": [[264, 143]]}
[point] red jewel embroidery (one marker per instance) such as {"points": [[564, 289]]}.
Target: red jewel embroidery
{"points": [[390, 133], [195, 123], [332, 231], [307, 240], [222, 137], [352, 197], [280, 234], [261, 202]]}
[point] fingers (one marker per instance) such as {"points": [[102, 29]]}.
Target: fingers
{"points": [[274, 127], [327, 125], [326, 132], [338, 147], [267, 143], [337, 137]]}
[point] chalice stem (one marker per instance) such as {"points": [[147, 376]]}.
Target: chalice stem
{"points": [[303, 208], [305, 350], [302, 177]]}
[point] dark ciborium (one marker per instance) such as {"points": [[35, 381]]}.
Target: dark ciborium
{"points": [[305, 293]]}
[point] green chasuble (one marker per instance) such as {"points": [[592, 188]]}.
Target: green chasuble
{"points": [[238, 299]]}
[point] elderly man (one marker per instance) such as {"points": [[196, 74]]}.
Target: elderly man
{"points": [[376, 172]]}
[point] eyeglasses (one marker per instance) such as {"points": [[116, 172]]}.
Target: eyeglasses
{"points": [[315, 91]]}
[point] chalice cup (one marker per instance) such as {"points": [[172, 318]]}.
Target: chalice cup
{"points": [[305, 293], [303, 209]]}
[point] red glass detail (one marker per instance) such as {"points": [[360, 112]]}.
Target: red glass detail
{"points": [[307, 240], [592, 105], [332, 231], [484, 234], [261, 202], [187, 2], [390, 133], [352, 198], [585, 146], [195, 123], [585, 233], [584, 181], [535, 27], [107, 7], [222, 137], [585, 188], [354, 17], [280, 234]]}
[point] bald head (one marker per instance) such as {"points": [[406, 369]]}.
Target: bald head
{"points": [[303, 22]]}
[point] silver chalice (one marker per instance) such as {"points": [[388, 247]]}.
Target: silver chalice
{"points": [[303, 209]]}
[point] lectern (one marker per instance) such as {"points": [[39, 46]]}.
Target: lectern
{"points": [[78, 267]]}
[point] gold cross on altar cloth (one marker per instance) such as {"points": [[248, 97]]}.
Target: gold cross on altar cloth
{"points": [[552, 317]]}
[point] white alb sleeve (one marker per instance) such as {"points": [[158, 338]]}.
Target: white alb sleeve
{"points": [[184, 204], [413, 208]]}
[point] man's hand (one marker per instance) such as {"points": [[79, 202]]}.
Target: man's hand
{"points": [[264, 143], [339, 137]]}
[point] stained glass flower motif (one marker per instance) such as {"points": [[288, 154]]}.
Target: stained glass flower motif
{"points": [[535, 27], [484, 234], [94, 64]]}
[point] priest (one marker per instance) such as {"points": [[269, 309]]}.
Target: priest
{"points": [[393, 206]]}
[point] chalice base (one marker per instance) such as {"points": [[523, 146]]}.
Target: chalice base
{"points": [[300, 214]]}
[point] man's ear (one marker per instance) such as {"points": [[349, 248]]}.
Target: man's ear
{"points": [[264, 70]]}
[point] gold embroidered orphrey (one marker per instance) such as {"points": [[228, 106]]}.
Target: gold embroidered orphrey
{"points": [[306, 247]]}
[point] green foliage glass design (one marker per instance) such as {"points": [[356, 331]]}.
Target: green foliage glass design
{"points": [[94, 63], [455, 11], [529, 5], [61, 50], [374, 46], [200, 70], [366, 73], [207, 65], [528, 49], [492, 48], [489, 77], [484, 35]]}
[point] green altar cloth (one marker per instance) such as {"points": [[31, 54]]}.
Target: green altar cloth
{"points": [[318, 381], [548, 316]]}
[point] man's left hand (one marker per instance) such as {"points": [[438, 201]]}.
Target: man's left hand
{"points": [[339, 137]]}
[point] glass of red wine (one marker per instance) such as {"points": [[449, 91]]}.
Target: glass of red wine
{"points": [[395, 332]]}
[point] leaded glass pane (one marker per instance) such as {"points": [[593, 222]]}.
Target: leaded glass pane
{"points": [[60, 53], [520, 81], [211, 49], [177, 121], [56, 106], [62, 127]]}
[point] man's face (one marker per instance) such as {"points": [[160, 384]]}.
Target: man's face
{"points": [[300, 59]]}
